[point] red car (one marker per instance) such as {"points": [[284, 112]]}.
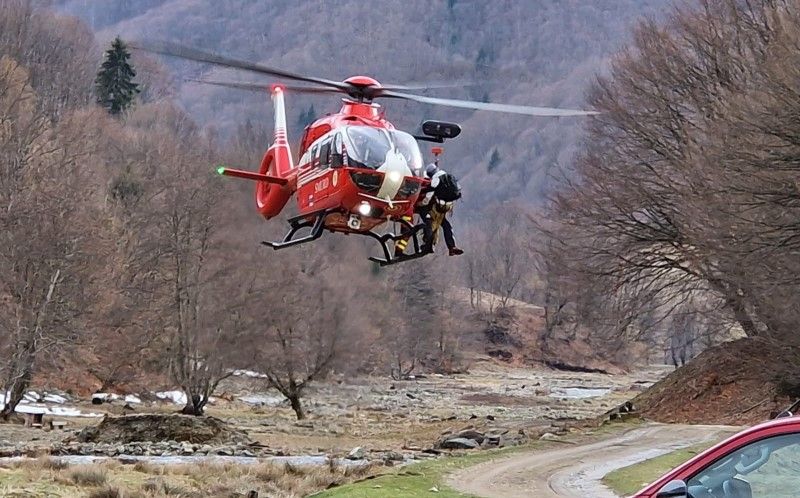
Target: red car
{"points": [[759, 462]]}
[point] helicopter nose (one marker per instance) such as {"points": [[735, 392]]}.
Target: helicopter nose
{"points": [[394, 169]]}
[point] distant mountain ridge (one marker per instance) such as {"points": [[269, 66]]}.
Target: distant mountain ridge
{"points": [[538, 53]]}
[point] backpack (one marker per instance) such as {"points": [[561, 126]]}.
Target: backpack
{"points": [[447, 189]]}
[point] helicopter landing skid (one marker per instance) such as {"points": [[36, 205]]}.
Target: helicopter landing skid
{"points": [[317, 228], [317, 225], [411, 232]]}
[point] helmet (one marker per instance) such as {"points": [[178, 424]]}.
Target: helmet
{"points": [[431, 170]]}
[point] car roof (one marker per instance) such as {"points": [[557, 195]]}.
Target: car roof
{"points": [[790, 423], [778, 422]]}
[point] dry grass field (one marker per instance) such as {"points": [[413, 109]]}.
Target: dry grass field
{"points": [[46, 477]]}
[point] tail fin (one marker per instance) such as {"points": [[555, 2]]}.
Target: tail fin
{"points": [[271, 197], [284, 165]]}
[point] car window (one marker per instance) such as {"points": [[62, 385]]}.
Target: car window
{"points": [[768, 468]]}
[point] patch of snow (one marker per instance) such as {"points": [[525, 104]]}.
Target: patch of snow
{"points": [[55, 398], [579, 392], [249, 373], [60, 411], [30, 404], [177, 397], [31, 409], [262, 400], [63, 411], [128, 398]]}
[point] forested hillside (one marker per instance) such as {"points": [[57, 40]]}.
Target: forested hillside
{"points": [[677, 220], [125, 261], [539, 53], [684, 213]]}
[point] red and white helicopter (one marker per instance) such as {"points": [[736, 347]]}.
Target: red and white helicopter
{"points": [[355, 170]]}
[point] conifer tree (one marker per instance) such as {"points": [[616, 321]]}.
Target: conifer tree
{"points": [[114, 83], [494, 161]]}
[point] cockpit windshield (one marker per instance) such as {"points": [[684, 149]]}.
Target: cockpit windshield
{"points": [[407, 145], [368, 146]]}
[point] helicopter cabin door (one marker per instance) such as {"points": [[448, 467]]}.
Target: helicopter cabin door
{"points": [[318, 182]]}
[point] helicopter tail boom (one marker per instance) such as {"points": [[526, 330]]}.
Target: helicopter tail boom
{"points": [[251, 175]]}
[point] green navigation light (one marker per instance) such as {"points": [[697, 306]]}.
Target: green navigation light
{"points": [[220, 170]]}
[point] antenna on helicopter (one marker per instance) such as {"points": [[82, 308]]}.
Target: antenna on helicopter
{"points": [[436, 151]]}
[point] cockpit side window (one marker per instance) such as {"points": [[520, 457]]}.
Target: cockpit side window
{"points": [[336, 152], [325, 154], [407, 146]]}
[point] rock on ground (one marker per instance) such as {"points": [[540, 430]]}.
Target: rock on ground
{"points": [[459, 443], [356, 454]]}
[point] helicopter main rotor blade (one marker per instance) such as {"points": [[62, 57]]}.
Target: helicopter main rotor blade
{"points": [[263, 87], [354, 90], [420, 86], [193, 54], [376, 92], [489, 106]]}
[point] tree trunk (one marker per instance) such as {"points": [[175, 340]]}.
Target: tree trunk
{"points": [[742, 316], [294, 399], [15, 394], [737, 305], [194, 406], [26, 350]]}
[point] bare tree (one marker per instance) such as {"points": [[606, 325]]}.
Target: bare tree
{"points": [[500, 267], [198, 328], [308, 329], [655, 216], [59, 52], [43, 246]]}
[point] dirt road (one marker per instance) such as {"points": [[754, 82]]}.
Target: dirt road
{"points": [[574, 471]]}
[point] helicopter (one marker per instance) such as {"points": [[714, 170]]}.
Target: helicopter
{"points": [[355, 171]]}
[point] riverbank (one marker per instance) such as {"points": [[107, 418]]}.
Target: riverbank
{"points": [[355, 426]]}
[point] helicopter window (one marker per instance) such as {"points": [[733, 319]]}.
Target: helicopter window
{"points": [[367, 146], [336, 152], [407, 146], [305, 159], [325, 154]]}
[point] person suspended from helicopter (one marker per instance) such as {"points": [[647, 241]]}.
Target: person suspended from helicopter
{"points": [[436, 204]]}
